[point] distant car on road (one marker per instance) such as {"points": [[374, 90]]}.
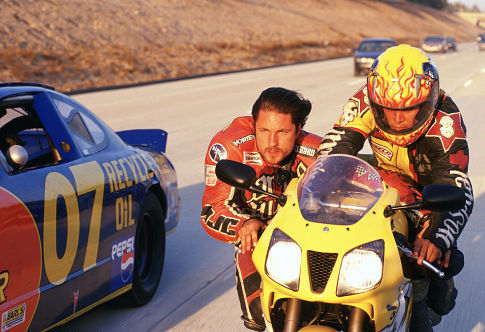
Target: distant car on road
{"points": [[84, 210], [450, 44], [368, 50], [481, 42], [434, 43]]}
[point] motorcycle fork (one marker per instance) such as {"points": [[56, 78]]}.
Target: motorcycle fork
{"points": [[358, 320], [293, 313]]}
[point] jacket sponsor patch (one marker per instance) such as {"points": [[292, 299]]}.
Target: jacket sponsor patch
{"points": [[349, 113], [210, 175], [362, 101], [244, 139], [13, 317], [217, 152], [305, 150], [252, 158], [356, 105], [381, 150], [447, 127], [454, 222], [223, 224], [460, 159]]}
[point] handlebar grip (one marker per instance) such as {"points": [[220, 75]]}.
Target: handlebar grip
{"points": [[433, 268], [427, 264]]}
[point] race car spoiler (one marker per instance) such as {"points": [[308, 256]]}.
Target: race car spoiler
{"points": [[154, 139]]}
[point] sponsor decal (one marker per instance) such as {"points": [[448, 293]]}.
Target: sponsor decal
{"points": [[349, 113], [76, 298], [244, 139], [356, 105], [447, 127], [13, 317], [21, 263], [252, 158], [365, 178], [363, 99], [381, 150], [122, 262], [305, 150], [455, 221], [217, 152], [125, 172], [423, 164], [210, 175], [4, 277], [378, 134], [459, 158]]}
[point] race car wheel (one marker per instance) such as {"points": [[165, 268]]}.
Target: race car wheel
{"points": [[149, 252]]}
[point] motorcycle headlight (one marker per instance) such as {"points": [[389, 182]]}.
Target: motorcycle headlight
{"points": [[283, 260], [361, 269]]}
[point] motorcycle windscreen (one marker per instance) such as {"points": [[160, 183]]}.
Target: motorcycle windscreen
{"points": [[339, 190]]}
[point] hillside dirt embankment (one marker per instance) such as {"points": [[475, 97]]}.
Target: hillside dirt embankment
{"points": [[83, 44]]}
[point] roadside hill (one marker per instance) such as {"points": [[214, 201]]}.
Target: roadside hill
{"points": [[82, 44]]}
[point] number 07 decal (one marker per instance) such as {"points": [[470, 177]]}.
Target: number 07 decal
{"points": [[88, 177]]}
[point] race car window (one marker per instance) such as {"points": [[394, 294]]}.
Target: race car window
{"points": [[85, 131], [20, 126]]}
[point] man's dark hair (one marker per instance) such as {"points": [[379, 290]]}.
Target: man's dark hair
{"points": [[283, 101]]}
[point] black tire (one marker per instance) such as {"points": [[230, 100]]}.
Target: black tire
{"points": [[149, 253]]}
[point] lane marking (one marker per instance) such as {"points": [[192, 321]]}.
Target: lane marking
{"points": [[482, 71], [468, 83]]}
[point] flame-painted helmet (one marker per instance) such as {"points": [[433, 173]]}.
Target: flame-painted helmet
{"points": [[403, 78]]}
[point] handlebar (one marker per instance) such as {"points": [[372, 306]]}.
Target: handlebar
{"points": [[427, 264]]}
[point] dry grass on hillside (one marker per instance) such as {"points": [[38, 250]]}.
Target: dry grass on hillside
{"points": [[81, 44]]}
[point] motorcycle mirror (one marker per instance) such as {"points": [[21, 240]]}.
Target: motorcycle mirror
{"points": [[242, 176], [437, 197], [235, 173]]}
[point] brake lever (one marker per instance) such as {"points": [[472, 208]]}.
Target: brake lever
{"points": [[408, 252]]}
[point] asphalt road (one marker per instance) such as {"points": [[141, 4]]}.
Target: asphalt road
{"points": [[197, 290]]}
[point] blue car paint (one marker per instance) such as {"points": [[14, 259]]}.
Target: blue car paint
{"points": [[127, 173], [154, 139]]}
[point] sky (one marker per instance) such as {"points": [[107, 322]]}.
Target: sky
{"points": [[470, 3]]}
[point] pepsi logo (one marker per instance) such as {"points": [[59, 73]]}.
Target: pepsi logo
{"points": [[127, 264], [123, 252]]}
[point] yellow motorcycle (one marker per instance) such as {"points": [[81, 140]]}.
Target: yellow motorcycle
{"points": [[332, 258]]}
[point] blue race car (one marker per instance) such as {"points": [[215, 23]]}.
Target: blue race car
{"points": [[84, 210]]}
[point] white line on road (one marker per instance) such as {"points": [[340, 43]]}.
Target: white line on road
{"points": [[482, 70], [468, 83]]}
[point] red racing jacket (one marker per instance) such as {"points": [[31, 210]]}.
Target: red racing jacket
{"points": [[225, 208], [440, 156]]}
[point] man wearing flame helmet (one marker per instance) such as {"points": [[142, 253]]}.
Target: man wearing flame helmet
{"points": [[418, 137]]}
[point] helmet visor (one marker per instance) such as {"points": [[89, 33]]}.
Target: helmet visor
{"points": [[425, 111]]}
